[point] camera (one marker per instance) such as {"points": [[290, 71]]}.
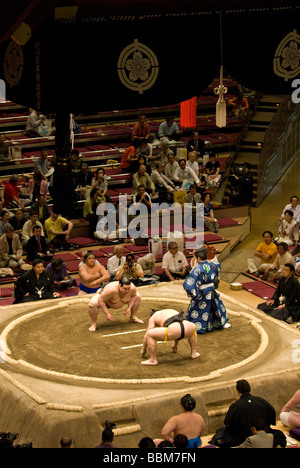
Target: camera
{"points": [[7, 439], [130, 263]]}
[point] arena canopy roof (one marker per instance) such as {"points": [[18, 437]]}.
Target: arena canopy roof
{"points": [[96, 55]]}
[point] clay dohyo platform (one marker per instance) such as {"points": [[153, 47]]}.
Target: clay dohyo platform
{"points": [[59, 379]]}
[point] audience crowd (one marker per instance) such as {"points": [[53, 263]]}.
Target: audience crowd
{"points": [[32, 235]]}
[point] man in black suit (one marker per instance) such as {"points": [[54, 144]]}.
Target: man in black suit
{"points": [[239, 417], [285, 302], [85, 176], [37, 246]]}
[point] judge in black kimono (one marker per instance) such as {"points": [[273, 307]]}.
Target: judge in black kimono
{"points": [[285, 302], [35, 284], [240, 416]]}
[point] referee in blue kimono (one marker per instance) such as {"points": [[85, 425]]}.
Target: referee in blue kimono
{"points": [[206, 309]]}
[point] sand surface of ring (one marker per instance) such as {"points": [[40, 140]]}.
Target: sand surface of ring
{"points": [[59, 341]]}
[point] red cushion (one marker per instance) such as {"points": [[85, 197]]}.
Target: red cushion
{"points": [[73, 266], [67, 257], [227, 222]]}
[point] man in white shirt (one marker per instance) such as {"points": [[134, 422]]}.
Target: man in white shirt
{"points": [[294, 207], [163, 185], [171, 167], [27, 230], [184, 174], [116, 261], [275, 270], [169, 129], [192, 163], [174, 264]]}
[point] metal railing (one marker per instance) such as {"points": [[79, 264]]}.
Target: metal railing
{"points": [[279, 147]]}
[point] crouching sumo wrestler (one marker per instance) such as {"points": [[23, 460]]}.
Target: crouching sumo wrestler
{"points": [[171, 325], [115, 295]]}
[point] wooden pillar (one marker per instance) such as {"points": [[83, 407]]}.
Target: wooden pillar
{"points": [[62, 177]]}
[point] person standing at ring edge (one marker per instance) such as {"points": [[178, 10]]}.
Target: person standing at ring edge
{"points": [[206, 309]]}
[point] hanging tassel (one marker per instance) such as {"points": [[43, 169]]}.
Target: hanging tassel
{"points": [[221, 104]]}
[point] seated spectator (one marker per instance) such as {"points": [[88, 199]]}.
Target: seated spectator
{"points": [[37, 186], [274, 272], [264, 255], [209, 218], [140, 130], [163, 185], [165, 444], [143, 160], [58, 231], [107, 225], [11, 250], [260, 438], [180, 441], [142, 178], [4, 150], [116, 261], [192, 196], [192, 162], [285, 302], [288, 229], [107, 439], [141, 196], [146, 443], [174, 264], [37, 246], [169, 130], [66, 443], [147, 262], [130, 270], [240, 106], [294, 207], [212, 169], [35, 284], [186, 176], [197, 145], [101, 183], [41, 208], [75, 162], [171, 167], [288, 416], [85, 176], [41, 164], [58, 270], [163, 154], [128, 161], [13, 195], [4, 220], [90, 208], [187, 423], [35, 119], [27, 230], [17, 221], [145, 149], [239, 417]]}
